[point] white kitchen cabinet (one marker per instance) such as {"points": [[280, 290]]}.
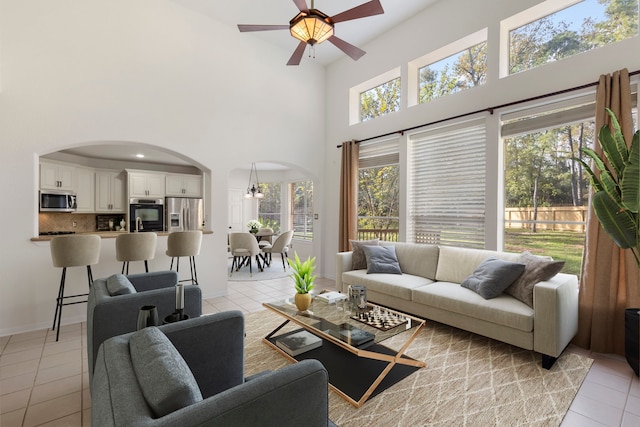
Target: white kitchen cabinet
{"points": [[110, 192], [182, 185], [55, 176], [143, 184], [84, 188]]}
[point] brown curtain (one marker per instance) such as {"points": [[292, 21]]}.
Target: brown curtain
{"points": [[610, 280], [348, 227]]}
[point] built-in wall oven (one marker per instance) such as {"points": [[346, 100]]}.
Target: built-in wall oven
{"points": [[146, 214]]}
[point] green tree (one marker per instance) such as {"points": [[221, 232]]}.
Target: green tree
{"points": [[380, 100], [378, 198]]}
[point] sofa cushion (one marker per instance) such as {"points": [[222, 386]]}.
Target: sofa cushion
{"points": [[164, 377], [396, 285], [537, 269], [358, 259], [456, 264], [502, 310], [416, 258], [118, 284], [492, 277], [381, 259]]}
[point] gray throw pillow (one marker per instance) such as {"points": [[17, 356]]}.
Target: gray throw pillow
{"points": [[118, 284], [381, 259], [358, 260], [164, 377], [537, 269], [492, 277]]}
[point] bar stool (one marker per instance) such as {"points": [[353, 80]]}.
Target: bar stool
{"points": [[136, 247], [185, 243], [72, 251]]}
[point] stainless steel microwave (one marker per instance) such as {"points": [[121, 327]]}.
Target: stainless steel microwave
{"points": [[57, 201]]}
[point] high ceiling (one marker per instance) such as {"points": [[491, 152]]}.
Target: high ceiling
{"points": [[357, 32], [279, 12]]}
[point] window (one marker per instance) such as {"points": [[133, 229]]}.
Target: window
{"points": [[378, 191], [546, 189], [460, 71], [269, 207], [380, 100], [579, 27], [447, 185], [302, 209], [379, 95]]}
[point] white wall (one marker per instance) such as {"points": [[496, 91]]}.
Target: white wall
{"points": [[435, 27], [150, 72]]}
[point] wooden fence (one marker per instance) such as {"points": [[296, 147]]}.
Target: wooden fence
{"points": [[568, 218]]}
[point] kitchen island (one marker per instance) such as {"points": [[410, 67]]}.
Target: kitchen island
{"points": [[107, 234]]}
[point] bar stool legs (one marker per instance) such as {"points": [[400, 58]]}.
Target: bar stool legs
{"points": [[192, 267], [57, 317], [126, 263]]}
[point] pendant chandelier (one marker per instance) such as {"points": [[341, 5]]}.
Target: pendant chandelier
{"points": [[253, 190]]}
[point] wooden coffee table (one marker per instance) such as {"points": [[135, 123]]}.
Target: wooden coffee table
{"points": [[355, 371]]}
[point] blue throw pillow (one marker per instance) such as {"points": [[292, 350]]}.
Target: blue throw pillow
{"points": [[118, 284], [381, 259], [492, 277], [164, 377]]}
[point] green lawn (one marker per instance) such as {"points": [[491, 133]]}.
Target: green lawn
{"points": [[561, 245]]}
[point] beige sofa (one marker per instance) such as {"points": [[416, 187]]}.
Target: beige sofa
{"points": [[429, 287]]}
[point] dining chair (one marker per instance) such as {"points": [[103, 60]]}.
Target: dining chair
{"points": [[265, 236], [280, 246], [244, 246]]}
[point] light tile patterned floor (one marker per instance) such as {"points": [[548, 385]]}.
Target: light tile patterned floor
{"points": [[45, 383]]}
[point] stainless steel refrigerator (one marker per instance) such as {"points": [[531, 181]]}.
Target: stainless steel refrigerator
{"points": [[182, 214]]}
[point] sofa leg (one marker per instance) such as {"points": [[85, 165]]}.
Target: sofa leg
{"points": [[548, 361]]}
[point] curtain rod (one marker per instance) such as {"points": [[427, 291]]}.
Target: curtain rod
{"points": [[489, 109]]}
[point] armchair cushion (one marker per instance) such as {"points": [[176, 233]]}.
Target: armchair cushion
{"points": [[164, 377], [118, 284]]}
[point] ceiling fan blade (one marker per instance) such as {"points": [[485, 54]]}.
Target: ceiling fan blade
{"points": [[366, 9], [246, 28], [297, 54], [354, 52], [301, 4]]}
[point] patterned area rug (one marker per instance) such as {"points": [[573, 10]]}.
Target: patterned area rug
{"points": [[275, 271], [469, 380]]}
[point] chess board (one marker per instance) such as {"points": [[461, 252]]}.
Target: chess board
{"points": [[380, 319]]}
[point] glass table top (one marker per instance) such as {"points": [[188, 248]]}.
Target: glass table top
{"points": [[354, 327]]}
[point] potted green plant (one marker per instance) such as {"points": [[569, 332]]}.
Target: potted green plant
{"points": [[616, 195], [254, 225], [303, 280]]}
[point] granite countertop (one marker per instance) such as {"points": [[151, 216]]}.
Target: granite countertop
{"points": [[106, 234]]}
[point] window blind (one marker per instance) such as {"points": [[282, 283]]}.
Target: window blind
{"points": [[447, 185], [379, 153]]}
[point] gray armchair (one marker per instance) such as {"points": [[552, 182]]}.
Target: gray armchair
{"points": [[213, 349], [109, 316]]}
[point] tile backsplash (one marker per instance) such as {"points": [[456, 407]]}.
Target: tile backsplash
{"points": [[62, 221]]}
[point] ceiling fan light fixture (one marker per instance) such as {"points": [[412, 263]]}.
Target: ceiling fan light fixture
{"points": [[311, 27]]}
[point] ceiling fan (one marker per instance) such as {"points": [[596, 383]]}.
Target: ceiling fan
{"points": [[312, 27]]}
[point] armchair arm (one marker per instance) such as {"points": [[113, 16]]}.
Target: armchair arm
{"points": [[343, 263], [296, 395], [119, 314], [555, 304], [155, 280]]}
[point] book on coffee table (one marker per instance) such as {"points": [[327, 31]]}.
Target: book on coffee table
{"points": [[298, 342], [353, 336]]}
